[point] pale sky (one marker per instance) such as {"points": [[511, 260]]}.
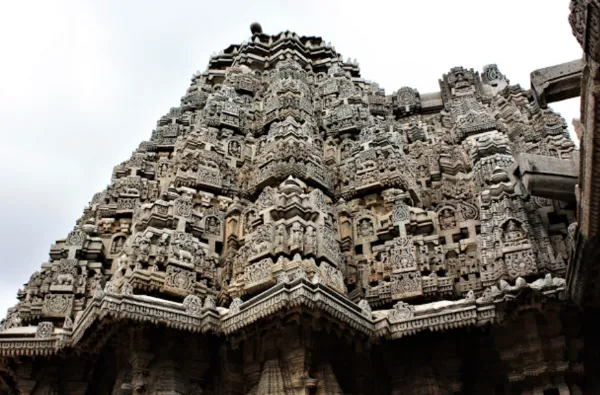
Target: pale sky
{"points": [[83, 82]]}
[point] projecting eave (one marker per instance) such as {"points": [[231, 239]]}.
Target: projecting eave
{"points": [[284, 299]]}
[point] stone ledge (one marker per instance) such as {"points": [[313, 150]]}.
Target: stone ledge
{"points": [[548, 177], [556, 83], [401, 321], [297, 293]]}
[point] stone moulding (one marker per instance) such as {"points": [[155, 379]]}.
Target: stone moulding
{"points": [[114, 306], [300, 293], [466, 316], [284, 190], [29, 347], [171, 314]]}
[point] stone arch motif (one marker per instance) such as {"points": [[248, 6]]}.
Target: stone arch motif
{"points": [[365, 226], [346, 148], [513, 232], [249, 214], [214, 222], [235, 147], [117, 243]]}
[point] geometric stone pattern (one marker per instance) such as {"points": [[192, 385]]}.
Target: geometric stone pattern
{"points": [[285, 185]]}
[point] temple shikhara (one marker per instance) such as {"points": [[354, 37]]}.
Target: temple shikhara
{"points": [[290, 228]]}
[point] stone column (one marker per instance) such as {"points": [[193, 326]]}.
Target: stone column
{"points": [[140, 363], [575, 390], [252, 363], [295, 345], [231, 372], [77, 388], [563, 389], [140, 360], [25, 382], [197, 364]]}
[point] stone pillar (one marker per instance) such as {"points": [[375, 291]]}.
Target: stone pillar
{"points": [[296, 351], [169, 377], [50, 379], [575, 390], [140, 360], [252, 363], [77, 387], [140, 363], [77, 381], [25, 382], [25, 386], [563, 389], [397, 371], [363, 373], [231, 371], [561, 386], [194, 361]]}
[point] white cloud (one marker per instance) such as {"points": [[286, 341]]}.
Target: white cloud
{"points": [[83, 82]]}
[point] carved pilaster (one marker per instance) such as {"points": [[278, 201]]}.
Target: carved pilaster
{"points": [[24, 379], [197, 363], [232, 375], [140, 362], [140, 358], [77, 387]]}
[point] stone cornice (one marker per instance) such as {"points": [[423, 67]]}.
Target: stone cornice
{"points": [[300, 294]]}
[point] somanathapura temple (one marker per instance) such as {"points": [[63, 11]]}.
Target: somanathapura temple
{"points": [[291, 228]]}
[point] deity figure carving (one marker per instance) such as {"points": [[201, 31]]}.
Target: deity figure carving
{"points": [[310, 239], [281, 237], [235, 149], [117, 244], [365, 228], [296, 236], [447, 219], [213, 226]]}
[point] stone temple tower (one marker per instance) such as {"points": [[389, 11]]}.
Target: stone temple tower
{"points": [[291, 229]]}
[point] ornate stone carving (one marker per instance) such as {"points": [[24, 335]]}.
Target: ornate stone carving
{"points": [[234, 307], [402, 311], [44, 330], [407, 101], [288, 184], [58, 305], [365, 308], [193, 305], [180, 280]]}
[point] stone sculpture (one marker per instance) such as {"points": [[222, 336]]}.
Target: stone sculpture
{"points": [[288, 204]]}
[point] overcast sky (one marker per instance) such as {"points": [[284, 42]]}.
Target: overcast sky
{"points": [[83, 82]]}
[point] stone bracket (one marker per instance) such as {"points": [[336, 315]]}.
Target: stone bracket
{"points": [[556, 83], [548, 177]]}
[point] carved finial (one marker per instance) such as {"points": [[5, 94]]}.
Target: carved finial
{"points": [[256, 28], [470, 296], [68, 324], [365, 308]]}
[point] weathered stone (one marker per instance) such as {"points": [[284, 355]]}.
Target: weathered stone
{"points": [[548, 177], [556, 83], [289, 205]]}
